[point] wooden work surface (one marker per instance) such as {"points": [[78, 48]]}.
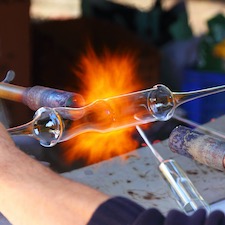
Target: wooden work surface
{"points": [[135, 175]]}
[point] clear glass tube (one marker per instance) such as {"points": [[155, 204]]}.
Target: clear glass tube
{"points": [[53, 125], [185, 193], [183, 190]]}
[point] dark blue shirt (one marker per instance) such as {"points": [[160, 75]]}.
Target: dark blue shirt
{"points": [[122, 211]]}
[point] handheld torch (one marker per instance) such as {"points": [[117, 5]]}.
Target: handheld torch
{"points": [[38, 96]]}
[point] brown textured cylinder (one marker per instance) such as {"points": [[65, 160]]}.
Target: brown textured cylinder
{"points": [[205, 149]]}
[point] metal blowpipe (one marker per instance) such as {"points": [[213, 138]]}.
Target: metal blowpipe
{"points": [[53, 125], [38, 96]]}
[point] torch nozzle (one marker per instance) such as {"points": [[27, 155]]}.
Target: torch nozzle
{"points": [[38, 96]]}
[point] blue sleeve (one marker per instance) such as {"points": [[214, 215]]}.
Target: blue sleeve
{"points": [[122, 211]]}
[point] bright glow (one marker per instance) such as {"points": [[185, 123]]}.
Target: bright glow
{"points": [[101, 77]]}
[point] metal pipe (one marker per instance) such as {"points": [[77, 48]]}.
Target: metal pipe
{"points": [[39, 96], [11, 92]]}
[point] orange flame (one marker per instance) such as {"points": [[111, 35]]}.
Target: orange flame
{"points": [[104, 76]]}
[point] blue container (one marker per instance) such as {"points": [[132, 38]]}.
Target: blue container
{"points": [[204, 109]]}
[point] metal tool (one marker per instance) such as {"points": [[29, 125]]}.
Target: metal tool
{"points": [[38, 96], [184, 192]]}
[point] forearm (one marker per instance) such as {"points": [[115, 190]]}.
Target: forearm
{"points": [[32, 194]]}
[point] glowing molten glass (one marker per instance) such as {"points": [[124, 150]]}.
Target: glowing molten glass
{"points": [[102, 77]]}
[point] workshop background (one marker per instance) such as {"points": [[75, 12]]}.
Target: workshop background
{"points": [[177, 43], [65, 44]]}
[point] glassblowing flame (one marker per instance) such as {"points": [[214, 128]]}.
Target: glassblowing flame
{"points": [[104, 76]]}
